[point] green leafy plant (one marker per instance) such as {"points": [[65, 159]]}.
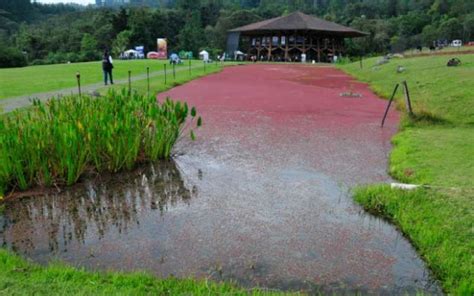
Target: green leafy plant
{"points": [[55, 143]]}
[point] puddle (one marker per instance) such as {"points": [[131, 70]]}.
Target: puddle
{"points": [[261, 198], [293, 229]]}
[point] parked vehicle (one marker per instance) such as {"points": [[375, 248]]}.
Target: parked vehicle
{"points": [[456, 43]]}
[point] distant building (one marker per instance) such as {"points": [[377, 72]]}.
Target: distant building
{"points": [[289, 37], [110, 3]]}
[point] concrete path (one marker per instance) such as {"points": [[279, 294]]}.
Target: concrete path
{"points": [[10, 104]]}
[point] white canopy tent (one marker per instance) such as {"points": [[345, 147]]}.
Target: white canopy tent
{"points": [[204, 55]]}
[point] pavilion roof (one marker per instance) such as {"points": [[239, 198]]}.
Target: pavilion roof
{"points": [[299, 21]]}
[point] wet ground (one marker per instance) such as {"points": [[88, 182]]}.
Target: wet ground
{"points": [[261, 198]]}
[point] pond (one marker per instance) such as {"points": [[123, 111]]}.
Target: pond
{"points": [[262, 197]]}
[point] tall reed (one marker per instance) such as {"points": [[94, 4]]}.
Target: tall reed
{"points": [[55, 143]]}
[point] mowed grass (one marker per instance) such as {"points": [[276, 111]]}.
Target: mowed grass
{"points": [[435, 148], [182, 75], [19, 277], [37, 79]]}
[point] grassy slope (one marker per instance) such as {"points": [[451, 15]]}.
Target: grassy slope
{"points": [[35, 79], [437, 148], [18, 277]]}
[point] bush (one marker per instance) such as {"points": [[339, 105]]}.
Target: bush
{"points": [[11, 57]]}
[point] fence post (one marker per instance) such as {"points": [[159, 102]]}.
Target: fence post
{"points": [[174, 71], [165, 71], [78, 77], [407, 98], [189, 66], [148, 80], [129, 82], [389, 103]]}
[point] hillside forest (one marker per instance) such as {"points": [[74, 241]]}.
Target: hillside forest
{"points": [[33, 33]]}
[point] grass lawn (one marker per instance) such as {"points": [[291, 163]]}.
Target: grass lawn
{"points": [[36, 79], [435, 148], [19, 277], [157, 84]]}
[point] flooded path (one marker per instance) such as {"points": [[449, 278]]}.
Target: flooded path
{"points": [[261, 198]]}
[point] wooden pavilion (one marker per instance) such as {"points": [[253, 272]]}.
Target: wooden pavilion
{"points": [[286, 38]]}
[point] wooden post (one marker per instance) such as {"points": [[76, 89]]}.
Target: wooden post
{"points": [[319, 50], [333, 47], [129, 82], [360, 62], [204, 62], [78, 77], [407, 98], [259, 48], [164, 66], [189, 67], [389, 103], [148, 80], [174, 71], [286, 48], [270, 47]]}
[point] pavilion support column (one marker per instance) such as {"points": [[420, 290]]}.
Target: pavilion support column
{"points": [[333, 47], [319, 49], [286, 48], [304, 44], [270, 47], [259, 49]]}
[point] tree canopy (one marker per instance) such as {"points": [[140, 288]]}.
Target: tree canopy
{"points": [[46, 33]]}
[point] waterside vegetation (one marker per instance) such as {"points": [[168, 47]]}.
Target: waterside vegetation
{"points": [[57, 142]]}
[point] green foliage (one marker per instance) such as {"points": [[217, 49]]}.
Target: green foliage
{"points": [[11, 57], [89, 47], [394, 25], [121, 42], [57, 142], [191, 36]]}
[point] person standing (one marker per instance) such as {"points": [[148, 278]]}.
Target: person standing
{"points": [[107, 66]]}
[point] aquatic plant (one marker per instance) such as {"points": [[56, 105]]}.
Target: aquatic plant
{"points": [[55, 143]]}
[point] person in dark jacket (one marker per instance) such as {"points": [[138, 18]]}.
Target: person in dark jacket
{"points": [[107, 66]]}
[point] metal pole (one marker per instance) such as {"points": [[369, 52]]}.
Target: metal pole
{"points": [[407, 98], [148, 80], [165, 72], [174, 71], [389, 103], [129, 82], [78, 77], [204, 66], [189, 67], [361, 62]]}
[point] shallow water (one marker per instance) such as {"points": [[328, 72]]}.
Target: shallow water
{"points": [[261, 198]]}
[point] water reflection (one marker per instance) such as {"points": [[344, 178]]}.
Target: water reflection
{"points": [[103, 207]]}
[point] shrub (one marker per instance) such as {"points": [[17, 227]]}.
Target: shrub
{"points": [[11, 57]]}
